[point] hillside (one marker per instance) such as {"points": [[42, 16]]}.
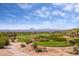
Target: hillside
{"points": [[72, 32]]}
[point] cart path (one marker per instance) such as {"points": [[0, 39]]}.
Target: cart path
{"points": [[14, 50]]}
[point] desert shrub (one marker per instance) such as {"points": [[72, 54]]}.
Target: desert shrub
{"points": [[76, 40], [24, 38], [12, 34], [60, 39], [72, 41], [56, 37], [38, 50], [7, 42], [41, 38], [28, 41], [3, 41], [37, 38], [75, 49], [3, 34], [23, 45], [34, 45], [12, 39]]}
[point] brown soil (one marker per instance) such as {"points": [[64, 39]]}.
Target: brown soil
{"points": [[4, 52], [16, 50], [52, 51]]}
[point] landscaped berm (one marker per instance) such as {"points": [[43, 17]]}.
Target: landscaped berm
{"points": [[64, 43]]}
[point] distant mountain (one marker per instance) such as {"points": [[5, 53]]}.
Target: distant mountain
{"points": [[47, 30], [31, 30], [40, 30]]}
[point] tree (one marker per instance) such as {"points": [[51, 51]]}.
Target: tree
{"points": [[3, 41]]}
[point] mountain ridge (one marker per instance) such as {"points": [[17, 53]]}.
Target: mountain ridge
{"points": [[38, 30]]}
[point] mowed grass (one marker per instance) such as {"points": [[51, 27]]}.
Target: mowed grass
{"points": [[53, 43], [50, 43], [24, 38]]}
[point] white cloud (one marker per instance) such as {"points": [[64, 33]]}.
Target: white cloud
{"points": [[47, 22], [14, 26], [71, 6], [57, 4], [76, 18], [77, 8], [57, 12], [43, 12], [25, 5], [11, 15], [11, 20], [53, 25], [77, 5], [68, 7], [26, 17]]}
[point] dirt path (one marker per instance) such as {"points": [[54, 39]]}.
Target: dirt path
{"points": [[13, 49], [52, 51], [62, 51], [16, 50]]}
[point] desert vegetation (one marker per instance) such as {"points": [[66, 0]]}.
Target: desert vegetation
{"points": [[4, 40], [40, 40]]}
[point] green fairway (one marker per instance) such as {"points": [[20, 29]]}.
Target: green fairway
{"points": [[53, 43], [24, 38]]}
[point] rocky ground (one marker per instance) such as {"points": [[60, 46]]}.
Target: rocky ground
{"points": [[15, 50], [52, 51], [5, 52]]}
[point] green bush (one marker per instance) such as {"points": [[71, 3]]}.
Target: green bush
{"points": [[3, 41], [56, 37], [38, 50], [60, 39], [28, 41], [41, 38], [34, 45], [72, 41], [76, 41], [24, 38]]}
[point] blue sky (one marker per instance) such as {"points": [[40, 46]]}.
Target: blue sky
{"points": [[39, 16]]}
